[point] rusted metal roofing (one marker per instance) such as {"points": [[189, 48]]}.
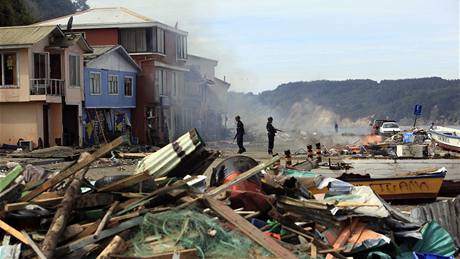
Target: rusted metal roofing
{"points": [[446, 213], [20, 36]]}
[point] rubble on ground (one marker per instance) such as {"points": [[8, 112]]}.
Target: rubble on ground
{"points": [[168, 208]]}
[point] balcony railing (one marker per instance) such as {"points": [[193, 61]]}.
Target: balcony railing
{"points": [[45, 86]]}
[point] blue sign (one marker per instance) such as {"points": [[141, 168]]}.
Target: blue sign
{"points": [[418, 110]]}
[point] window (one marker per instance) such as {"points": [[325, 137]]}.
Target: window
{"points": [[134, 40], [113, 84], [160, 82], [160, 40], [40, 65], [95, 83], [74, 70], [174, 83], [181, 45], [128, 86], [8, 69]]}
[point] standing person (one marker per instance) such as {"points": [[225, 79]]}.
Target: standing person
{"points": [[239, 134], [271, 132], [336, 126]]}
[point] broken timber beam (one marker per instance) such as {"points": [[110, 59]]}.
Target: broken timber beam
{"points": [[33, 245], [116, 246], [104, 220], [61, 217], [248, 229], [243, 176], [74, 169], [12, 231], [70, 247]]}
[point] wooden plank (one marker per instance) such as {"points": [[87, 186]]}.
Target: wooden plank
{"points": [[116, 246], [182, 254], [33, 245], [243, 176], [313, 251], [12, 231], [248, 229], [74, 169], [42, 202], [125, 182], [104, 234], [133, 155], [10, 177], [105, 219]]}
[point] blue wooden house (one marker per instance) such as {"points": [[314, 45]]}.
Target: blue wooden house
{"points": [[110, 93]]}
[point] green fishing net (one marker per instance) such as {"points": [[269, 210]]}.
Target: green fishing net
{"points": [[186, 229]]}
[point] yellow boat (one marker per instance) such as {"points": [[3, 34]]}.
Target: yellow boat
{"points": [[424, 186]]}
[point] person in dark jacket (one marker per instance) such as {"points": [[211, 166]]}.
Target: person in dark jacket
{"points": [[271, 132], [239, 134]]}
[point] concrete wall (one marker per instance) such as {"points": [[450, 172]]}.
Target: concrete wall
{"points": [[21, 120], [55, 123], [21, 92], [205, 66], [102, 36], [105, 100]]}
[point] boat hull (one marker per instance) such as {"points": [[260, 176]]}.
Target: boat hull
{"points": [[446, 141], [401, 188]]}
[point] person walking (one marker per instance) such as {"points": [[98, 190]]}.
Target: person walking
{"points": [[271, 132], [239, 134]]}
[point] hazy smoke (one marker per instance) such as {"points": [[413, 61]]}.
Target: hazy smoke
{"points": [[302, 122]]}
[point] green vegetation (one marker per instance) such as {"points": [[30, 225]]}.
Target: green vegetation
{"points": [[14, 12], [23, 12]]}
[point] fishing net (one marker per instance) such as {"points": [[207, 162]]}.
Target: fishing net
{"points": [[186, 229]]}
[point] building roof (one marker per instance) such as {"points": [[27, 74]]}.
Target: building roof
{"points": [[24, 36], [190, 56], [109, 17], [227, 84], [99, 51]]}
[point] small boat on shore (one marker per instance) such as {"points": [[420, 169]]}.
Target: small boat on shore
{"points": [[447, 138], [424, 186], [410, 187]]}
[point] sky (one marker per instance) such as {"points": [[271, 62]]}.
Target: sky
{"points": [[261, 44]]}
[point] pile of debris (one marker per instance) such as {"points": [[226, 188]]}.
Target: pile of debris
{"points": [[165, 209]]}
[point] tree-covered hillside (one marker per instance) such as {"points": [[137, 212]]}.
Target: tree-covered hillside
{"points": [[357, 99], [23, 12]]}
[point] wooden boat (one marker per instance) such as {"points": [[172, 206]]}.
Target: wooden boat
{"points": [[447, 138], [425, 186]]}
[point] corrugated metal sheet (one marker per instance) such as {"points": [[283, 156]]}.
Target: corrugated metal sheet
{"points": [[24, 35], [445, 213], [171, 159]]}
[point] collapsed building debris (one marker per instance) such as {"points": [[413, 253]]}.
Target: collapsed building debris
{"points": [[164, 209]]}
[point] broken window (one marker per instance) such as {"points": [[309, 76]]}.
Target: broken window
{"points": [[95, 83], [8, 69], [74, 70], [181, 45], [113, 84], [128, 86]]}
